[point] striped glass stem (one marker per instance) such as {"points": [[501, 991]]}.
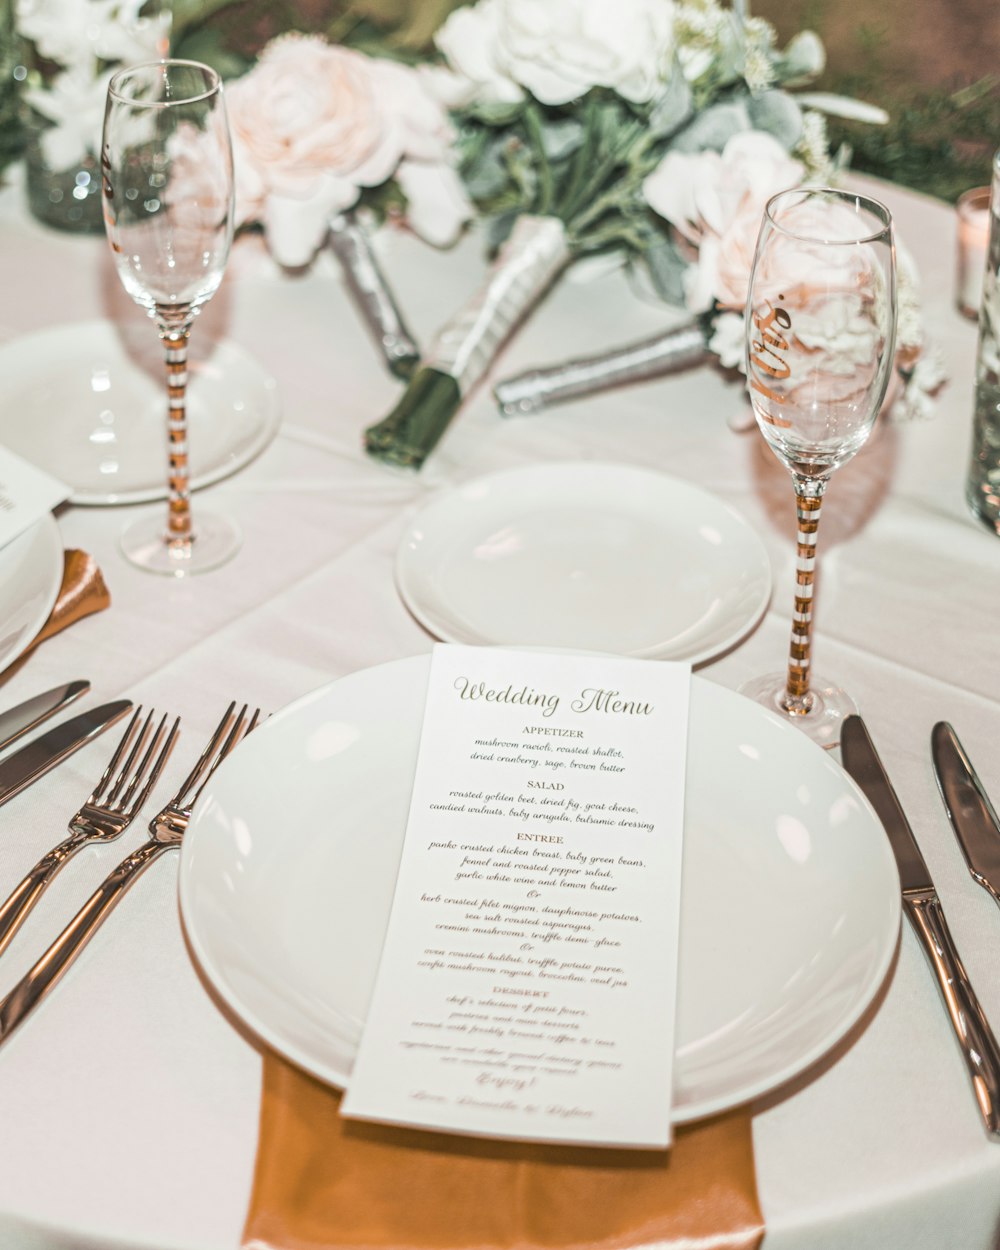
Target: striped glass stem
{"points": [[175, 334], [808, 506]]}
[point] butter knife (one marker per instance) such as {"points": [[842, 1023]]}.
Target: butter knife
{"points": [[968, 806], [924, 911], [19, 770], [29, 714]]}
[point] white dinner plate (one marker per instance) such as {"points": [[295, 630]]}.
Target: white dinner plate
{"points": [[597, 557], [790, 911], [31, 570], [87, 403]]}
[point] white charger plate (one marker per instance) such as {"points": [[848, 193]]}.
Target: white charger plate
{"points": [[87, 403], [31, 570], [595, 557], [790, 909]]}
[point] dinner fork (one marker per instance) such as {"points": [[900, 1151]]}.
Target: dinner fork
{"points": [[106, 814], [166, 831]]}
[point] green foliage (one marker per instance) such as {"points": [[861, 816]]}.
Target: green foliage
{"points": [[938, 142]]}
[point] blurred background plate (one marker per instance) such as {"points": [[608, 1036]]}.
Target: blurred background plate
{"points": [[87, 403]]}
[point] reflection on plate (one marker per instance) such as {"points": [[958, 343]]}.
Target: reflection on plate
{"points": [[87, 403], [790, 911], [31, 569], [597, 557]]}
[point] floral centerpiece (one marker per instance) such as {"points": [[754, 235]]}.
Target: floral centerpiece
{"points": [[574, 118]]}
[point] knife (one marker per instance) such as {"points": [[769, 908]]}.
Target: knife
{"points": [[969, 809], [923, 908], [52, 747], [26, 716]]}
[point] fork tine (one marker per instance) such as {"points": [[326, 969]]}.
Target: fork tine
{"points": [[238, 732], [150, 769], [125, 773], [138, 773], [205, 756], [119, 752]]}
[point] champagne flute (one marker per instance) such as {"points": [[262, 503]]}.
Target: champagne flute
{"points": [[167, 183], [820, 331]]}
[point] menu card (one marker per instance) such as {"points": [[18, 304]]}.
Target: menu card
{"points": [[26, 495], [528, 980]]}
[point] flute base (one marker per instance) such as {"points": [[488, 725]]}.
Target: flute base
{"points": [[829, 706], [145, 544]]}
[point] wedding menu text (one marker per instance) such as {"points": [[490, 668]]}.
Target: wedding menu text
{"points": [[528, 980]]}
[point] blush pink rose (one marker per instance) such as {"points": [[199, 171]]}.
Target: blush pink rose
{"points": [[314, 123]]}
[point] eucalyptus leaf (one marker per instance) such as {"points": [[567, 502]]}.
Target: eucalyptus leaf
{"points": [[666, 268], [803, 59], [498, 229], [673, 107], [712, 129], [486, 175], [496, 112], [778, 114], [561, 138]]}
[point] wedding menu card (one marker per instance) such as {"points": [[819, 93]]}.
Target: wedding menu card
{"points": [[528, 980], [26, 495]]}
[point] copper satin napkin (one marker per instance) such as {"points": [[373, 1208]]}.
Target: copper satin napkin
{"points": [[325, 1183], [82, 592]]}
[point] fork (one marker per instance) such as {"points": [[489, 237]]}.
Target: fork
{"points": [[105, 815], [166, 830]]}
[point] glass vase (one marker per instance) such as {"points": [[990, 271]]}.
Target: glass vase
{"points": [[65, 58], [982, 489]]}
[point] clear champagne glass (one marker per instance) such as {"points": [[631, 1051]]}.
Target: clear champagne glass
{"points": [[167, 181], [820, 327]]}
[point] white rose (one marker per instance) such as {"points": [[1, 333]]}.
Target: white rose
{"points": [[560, 49]]}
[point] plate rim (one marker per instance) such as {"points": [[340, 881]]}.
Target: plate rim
{"points": [[682, 1114], [44, 529], [439, 629], [270, 420]]}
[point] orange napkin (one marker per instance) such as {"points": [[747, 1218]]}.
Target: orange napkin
{"points": [[82, 592], [325, 1183]]}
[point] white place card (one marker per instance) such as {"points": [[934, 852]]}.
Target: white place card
{"points": [[528, 980], [27, 493]]}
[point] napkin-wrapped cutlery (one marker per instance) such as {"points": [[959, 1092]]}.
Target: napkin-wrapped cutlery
{"points": [[104, 816], [969, 808], [166, 829], [926, 915], [28, 715]]}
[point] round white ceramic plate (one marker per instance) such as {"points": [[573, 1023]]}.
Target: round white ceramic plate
{"points": [[790, 911], [595, 557], [87, 403], [31, 569]]}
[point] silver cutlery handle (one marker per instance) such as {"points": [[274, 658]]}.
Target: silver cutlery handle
{"points": [[975, 1037], [26, 895], [34, 985]]}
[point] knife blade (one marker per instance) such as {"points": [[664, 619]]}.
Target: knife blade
{"points": [[926, 915], [49, 749], [29, 714], [968, 806]]}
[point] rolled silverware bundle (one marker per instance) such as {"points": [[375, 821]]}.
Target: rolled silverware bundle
{"points": [[350, 241], [529, 392]]}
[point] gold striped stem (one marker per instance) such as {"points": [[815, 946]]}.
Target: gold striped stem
{"points": [[808, 506], [175, 341]]}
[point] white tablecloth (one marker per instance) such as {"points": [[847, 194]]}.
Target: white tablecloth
{"points": [[129, 1102]]}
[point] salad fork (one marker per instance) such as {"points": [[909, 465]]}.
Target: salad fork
{"points": [[106, 814], [166, 831]]}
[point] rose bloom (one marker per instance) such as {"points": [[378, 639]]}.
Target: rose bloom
{"points": [[559, 49], [716, 202], [314, 123]]}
